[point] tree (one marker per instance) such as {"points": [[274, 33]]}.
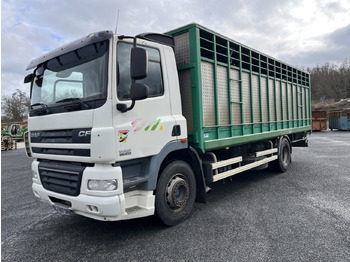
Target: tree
{"points": [[15, 108], [330, 81]]}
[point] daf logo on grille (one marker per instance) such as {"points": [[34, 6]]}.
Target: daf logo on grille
{"points": [[84, 133], [34, 134]]}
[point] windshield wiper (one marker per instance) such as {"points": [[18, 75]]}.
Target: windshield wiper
{"points": [[43, 110], [75, 100], [43, 105]]}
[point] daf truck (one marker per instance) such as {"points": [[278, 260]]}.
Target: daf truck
{"points": [[123, 127]]}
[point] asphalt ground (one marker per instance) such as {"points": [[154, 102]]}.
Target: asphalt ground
{"points": [[300, 215]]}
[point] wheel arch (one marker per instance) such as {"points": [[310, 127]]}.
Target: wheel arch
{"points": [[289, 141], [280, 165], [190, 156], [177, 151]]}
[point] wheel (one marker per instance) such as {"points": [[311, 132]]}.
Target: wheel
{"points": [[284, 159], [175, 193]]}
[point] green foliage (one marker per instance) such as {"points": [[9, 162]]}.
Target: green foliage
{"points": [[15, 108], [330, 81]]}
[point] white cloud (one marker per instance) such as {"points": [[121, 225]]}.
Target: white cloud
{"points": [[304, 33]]}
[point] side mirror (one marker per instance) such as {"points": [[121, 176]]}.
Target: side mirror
{"points": [[137, 92], [29, 78], [39, 82], [138, 71], [139, 63], [37, 72]]}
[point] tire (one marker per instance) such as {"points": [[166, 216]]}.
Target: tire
{"points": [[175, 193], [282, 163]]}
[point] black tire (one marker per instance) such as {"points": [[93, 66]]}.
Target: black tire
{"points": [[284, 159], [175, 193]]}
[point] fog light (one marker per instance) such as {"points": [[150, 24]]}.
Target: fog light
{"points": [[103, 185]]}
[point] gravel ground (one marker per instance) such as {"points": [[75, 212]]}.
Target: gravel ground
{"points": [[300, 215]]}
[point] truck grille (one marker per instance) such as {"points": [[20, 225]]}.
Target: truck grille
{"points": [[61, 177], [67, 136], [64, 136]]}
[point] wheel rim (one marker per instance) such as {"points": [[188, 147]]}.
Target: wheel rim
{"points": [[177, 192]]}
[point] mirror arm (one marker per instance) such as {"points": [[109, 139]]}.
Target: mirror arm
{"points": [[123, 107], [135, 41]]}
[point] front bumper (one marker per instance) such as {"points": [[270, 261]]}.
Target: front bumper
{"points": [[99, 205], [100, 208]]}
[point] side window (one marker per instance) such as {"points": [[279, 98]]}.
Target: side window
{"points": [[153, 80]]}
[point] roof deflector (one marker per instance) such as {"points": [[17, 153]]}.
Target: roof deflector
{"points": [[158, 38]]}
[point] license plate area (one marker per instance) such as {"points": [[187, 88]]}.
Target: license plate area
{"points": [[63, 211]]}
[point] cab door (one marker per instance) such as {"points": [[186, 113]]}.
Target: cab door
{"points": [[144, 130]]}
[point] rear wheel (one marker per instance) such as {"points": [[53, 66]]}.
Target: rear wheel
{"points": [[284, 159], [175, 193]]}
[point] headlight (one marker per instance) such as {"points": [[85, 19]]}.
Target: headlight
{"points": [[103, 185]]}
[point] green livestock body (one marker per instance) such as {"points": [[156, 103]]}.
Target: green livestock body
{"points": [[232, 94]]}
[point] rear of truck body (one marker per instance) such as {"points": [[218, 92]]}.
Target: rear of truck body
{"points": [[214, 108]]}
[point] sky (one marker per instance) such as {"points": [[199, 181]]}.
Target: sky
{"points": [[303, 33]]}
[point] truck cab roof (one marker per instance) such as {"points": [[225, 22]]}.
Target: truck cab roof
{"points": [[90, 39], [94, 38]]}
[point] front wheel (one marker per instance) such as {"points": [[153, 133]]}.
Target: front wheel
{"points": [[175, 193]]}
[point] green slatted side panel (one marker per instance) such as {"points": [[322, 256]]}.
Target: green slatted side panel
{"points": [[278, 101], [223, 97], [246, 98], [209, 118], [295, 103], [256, 98], [264, 97], [235, 98], [272, 100], [290, 103], [232, 93]]}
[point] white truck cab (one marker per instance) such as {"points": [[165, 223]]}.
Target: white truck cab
{"points": [[96, 152]]}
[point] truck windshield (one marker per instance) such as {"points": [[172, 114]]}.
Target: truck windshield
{"points": [[78, 76]]}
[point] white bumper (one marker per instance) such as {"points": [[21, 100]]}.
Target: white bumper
{"points": [[105, 206]]}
